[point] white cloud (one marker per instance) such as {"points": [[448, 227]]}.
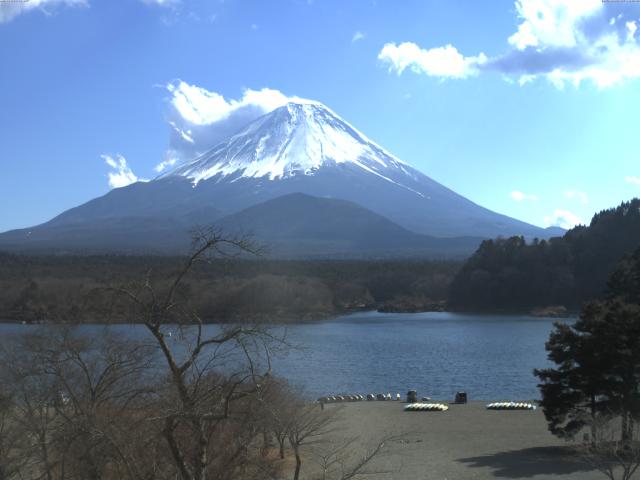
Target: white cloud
{"points": [[122, 175], [162, 3], [631, 30], [578, 195], [163, 165], [518, 196], [547, 23], [562, 218], [358, 36], [200, 118], [436, 62], [564, 41], [11, 9], [200, 106], [633, 180], [185, 134]]}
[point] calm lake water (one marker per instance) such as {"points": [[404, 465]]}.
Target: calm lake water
{"points": [[491, 357]]}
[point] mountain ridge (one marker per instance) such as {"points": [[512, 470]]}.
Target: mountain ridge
{"points": [[292, 226], [300, 224], [300, 147]]}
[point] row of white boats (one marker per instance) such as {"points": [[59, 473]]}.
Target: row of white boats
{"points": [[441, 407], [421, 406], [511, 406], [426, 407], [358, 398]]}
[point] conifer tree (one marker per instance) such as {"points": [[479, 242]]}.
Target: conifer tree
{"points": [[597, 361]]}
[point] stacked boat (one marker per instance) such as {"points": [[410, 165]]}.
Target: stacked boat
{"points": [[357, 397], [511, 406], [426, 407], [341, 398]]}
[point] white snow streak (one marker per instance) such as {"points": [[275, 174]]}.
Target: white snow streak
{"points": [[298, 138]]}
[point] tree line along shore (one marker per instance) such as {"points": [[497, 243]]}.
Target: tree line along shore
{"points": [[505, 275], [74, 288]]}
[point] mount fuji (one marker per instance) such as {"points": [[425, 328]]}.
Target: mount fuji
{"points": [[299, 148]]}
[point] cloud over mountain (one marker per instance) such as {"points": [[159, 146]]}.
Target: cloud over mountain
{"points": [[562, 218], [121, 174], [200, 119]]}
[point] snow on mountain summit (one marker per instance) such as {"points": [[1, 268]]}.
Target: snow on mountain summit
{"points": [[300, 148], [296, 139]]}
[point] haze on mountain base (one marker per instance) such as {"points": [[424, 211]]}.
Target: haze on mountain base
{"points": [[377, 203]]}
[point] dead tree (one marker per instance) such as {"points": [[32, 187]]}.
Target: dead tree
{"points": [[212, 371], [11, 440], [616, 456], [78, 402], [278, 403], [340, 461], [308, 425], [31, 411]]}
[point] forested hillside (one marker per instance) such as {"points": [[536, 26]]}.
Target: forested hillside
{"points": [[513, 275], [75, 288]]}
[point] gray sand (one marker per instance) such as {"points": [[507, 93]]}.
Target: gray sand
{"points": [[466, 442]]}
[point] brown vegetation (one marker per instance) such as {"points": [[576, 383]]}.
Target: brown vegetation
{"points": [[72, 288], [185, 402]]}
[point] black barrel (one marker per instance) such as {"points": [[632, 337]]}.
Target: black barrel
{"points": [[412, 396], [461, 397]]}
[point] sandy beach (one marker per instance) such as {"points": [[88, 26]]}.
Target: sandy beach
{"points": [[466, 442]]}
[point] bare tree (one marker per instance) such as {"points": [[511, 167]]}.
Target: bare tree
{"points": [[311, 433], [213, 371], [278, 403], [308, 425], [77, 401], [340, 461], [616, 456], [11, 460], [190, 401], [31, 394]]}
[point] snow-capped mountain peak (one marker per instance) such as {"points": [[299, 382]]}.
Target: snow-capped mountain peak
{"points": [[310, 159], [296, 139]]}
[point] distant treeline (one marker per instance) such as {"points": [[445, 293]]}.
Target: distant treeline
{"points": [[77, 288], [513, 275]]}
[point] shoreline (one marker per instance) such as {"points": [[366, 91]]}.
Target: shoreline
{"points": [[309, 318]]}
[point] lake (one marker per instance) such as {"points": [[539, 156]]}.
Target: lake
{"points": [[437, 354], [491, 357]]}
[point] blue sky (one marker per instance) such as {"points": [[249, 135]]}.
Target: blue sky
{"points": [[528, 107]]}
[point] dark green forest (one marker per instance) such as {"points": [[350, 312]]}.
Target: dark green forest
{"points": [[77, 288], [503, 275], [514, 275]]}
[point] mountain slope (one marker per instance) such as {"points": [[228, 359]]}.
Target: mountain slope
{"points": [[300, 147], [294, 225], [305, 147], [299, 224]]}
